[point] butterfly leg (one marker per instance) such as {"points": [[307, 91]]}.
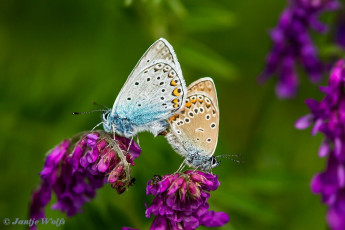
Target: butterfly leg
{"points": [[129, 146], [138, 140], [196, 169], [96, 126], [113, 127], [181, 167]]}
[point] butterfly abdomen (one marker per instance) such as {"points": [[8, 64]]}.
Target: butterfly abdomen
{"points": [[175, 143]]}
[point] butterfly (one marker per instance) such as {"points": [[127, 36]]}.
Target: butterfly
{"points": [[194, 133], [154, 91]]}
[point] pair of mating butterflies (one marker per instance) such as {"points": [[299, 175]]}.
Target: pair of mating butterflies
{"points": [[155, 98]]}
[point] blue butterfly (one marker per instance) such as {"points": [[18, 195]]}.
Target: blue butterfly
{"points": [[153, 92]]}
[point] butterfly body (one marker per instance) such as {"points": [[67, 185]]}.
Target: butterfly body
{"points": [[152, 93], [194, 133], [125, 127]]}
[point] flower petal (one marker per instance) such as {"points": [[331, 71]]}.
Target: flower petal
{"points": [[214, 219]]}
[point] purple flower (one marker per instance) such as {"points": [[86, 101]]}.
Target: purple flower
{"points": [[77, 167], [328, 117], [181, 201], [292, 44]]}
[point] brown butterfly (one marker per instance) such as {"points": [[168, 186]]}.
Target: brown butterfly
{"points": [[194, 132]]}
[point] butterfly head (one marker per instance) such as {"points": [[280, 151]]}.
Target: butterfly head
{"points": [[107, 121], [214, 162], [211, 163], [202, 162], [112, 123]]}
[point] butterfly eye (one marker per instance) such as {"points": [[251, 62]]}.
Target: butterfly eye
{"points": [[105, 115]]}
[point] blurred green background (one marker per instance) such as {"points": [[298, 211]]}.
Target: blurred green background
{"points": [[58, 56]]}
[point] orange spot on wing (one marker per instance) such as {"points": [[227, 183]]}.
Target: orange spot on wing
{"points": [[193, 100], [188, 104], [208, 103], [173, 117], [175, 92], [173, 83]]}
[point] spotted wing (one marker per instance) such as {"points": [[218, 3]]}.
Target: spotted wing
{"points": [[159, 51], [196, 128], [206, 85], [155, 89]]}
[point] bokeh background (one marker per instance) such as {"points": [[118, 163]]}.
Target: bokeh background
{"points": [[58, 56]]}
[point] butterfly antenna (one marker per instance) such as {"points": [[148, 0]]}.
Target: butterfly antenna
{"points": [[97, 110], [231, 157], [95, 103]]}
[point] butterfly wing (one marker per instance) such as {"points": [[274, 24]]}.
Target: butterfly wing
{"points": [[154, 90], [196, 128], [206, 85]]}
